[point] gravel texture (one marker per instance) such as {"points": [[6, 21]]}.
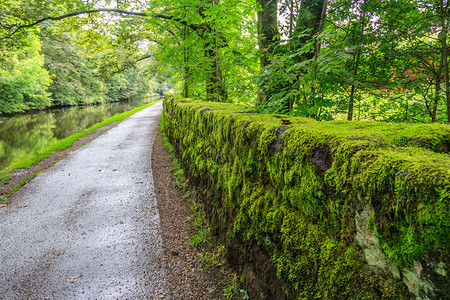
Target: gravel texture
{"points": [[186, 278]]}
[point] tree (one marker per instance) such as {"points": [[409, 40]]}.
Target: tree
{"points": [[422, 28], [23, 79], [323, 58], [211, 39], [74, 79], [268, 33], [282, 78]]}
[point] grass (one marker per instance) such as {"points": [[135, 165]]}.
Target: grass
{"points": [[231, 288], [215, 257], [26, 162], [4, 177]]}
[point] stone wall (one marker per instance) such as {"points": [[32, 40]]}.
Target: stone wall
{"points": [[321, 209]]}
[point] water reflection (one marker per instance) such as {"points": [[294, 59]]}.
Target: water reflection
{"points": [[23, 134]]}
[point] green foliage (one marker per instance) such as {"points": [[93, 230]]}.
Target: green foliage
{"points": [[370, 60], [231, 288], [201, 229], [74, 80], [80, 77], [377, 60], [131, 84], [308, 85], [294, 191], [214, 257], [222, 30], [23, 79], [95, 64]]}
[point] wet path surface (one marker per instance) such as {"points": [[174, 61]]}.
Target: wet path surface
{"points": [[88, 227]]}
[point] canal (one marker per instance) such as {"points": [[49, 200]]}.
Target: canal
{"points": [[22, 134]]}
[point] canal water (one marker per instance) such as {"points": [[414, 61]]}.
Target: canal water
{"points": [[22, 134]]}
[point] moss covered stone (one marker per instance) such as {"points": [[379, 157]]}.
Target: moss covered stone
{"points": [[338, 209]]}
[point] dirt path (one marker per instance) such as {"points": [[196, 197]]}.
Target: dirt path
{"points": [[89, 227]]}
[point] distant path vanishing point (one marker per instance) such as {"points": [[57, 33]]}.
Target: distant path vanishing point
{"points": [[88, 227]]}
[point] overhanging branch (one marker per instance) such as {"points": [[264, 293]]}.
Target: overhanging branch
{"points": [[94, 11]]}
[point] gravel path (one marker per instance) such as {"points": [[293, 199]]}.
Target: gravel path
{"points": [[89, 227]]}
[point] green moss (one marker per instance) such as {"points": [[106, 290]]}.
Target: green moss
{"points": [[406, 189], [294, 191]]}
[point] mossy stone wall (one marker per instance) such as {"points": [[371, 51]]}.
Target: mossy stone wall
{"points": [[343, 210]]}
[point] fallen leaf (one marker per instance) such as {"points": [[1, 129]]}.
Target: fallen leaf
{"points": [[74, 278]]}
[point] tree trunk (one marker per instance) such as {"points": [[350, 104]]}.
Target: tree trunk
{"points": [[406, 110], [215, 87], [437, 90], [311, 18], [186, 63], [353, 89], [308, 23], [359, 106], [267, 27], [444, 15], [446, 75], [211, 79], [291, 21], [443, 11], [350, 103], [357, 59]]}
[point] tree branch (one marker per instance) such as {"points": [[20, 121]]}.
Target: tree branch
{"points": [[93, 11], [181, 21]]}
